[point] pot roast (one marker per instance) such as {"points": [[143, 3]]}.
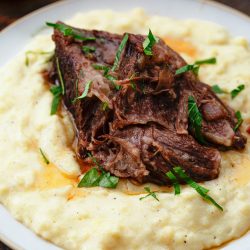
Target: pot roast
{"points": [[134, 119]]}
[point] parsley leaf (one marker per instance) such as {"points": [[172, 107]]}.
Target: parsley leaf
{"points": [[150, 193], [105, 69], [119, 51], [88, 49], [105, 106], [60, 75], [44, 156], [85, 92], [149, 43], [93, 178], [217, 89], [68, 31], [57, 93], [106, 74], [196, 66], [236, 91], [174, 180], [90, 179], [195, 119], [199, 189], [240, 120]]}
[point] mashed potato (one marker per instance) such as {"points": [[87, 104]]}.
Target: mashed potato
{"points": [[45, 197]]}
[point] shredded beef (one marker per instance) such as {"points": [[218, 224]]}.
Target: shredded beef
{"points": [[145, 130]]}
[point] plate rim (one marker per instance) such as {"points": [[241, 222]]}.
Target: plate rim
{"points": [[220, 5], [225, 8]]}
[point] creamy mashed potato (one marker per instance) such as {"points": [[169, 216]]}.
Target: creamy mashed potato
{"points": [[45, 197]]}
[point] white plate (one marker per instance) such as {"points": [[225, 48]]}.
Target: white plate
{"points": [[15, 37]]}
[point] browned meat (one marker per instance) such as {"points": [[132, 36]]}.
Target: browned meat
{"points": [[145, 130]]}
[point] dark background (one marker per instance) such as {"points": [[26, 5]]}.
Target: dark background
{"points": [[11, 10]]}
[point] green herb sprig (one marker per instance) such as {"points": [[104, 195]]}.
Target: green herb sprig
{"points": [[199, 189], [150, 193], [88, 49], [60, 75], [195, 119], [240, 120], [106, 74], [196, 66], [85, 92], [68, 31], [218, 90], [44, 156], [94, 178], [148, 43], [57, 95], [119, 52], [174, 180], [237, 90]]}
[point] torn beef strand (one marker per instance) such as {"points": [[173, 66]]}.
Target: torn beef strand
{"points": [[145, 131]]}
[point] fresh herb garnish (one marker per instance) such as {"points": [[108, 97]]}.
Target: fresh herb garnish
{"points": [[113, 79], [105, 106], [106, 74], [57, 93], [217, 89], [94, 178], [85, 92], [105, 69], [60, 75], [195, 119], [174, 180], [44, 156], [199, 189], [149, 43], [68, 31], [30, 52], [119, 51], [150, 193], [88, 49], [236, 91], [133, 85], [196, 66], [240, 120]]}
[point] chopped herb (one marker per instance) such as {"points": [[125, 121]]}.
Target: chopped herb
{"points": [[60, 75], [88, 49], [44, 156], [240, 120], [196, 66], [57, 93], [30, 52], [85, 92], [68, 31], [113, 79], [90, 179], [133, 85], [119, 51], [206, 61], [93, 178], [149, 43], [217, 89], [105, 106], [174, 180], [195, 119], [105, 69], [150, 193], [199, 189], [236, 91]]}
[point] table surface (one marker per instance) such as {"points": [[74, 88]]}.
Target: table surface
{"points": [[8, 14]]}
